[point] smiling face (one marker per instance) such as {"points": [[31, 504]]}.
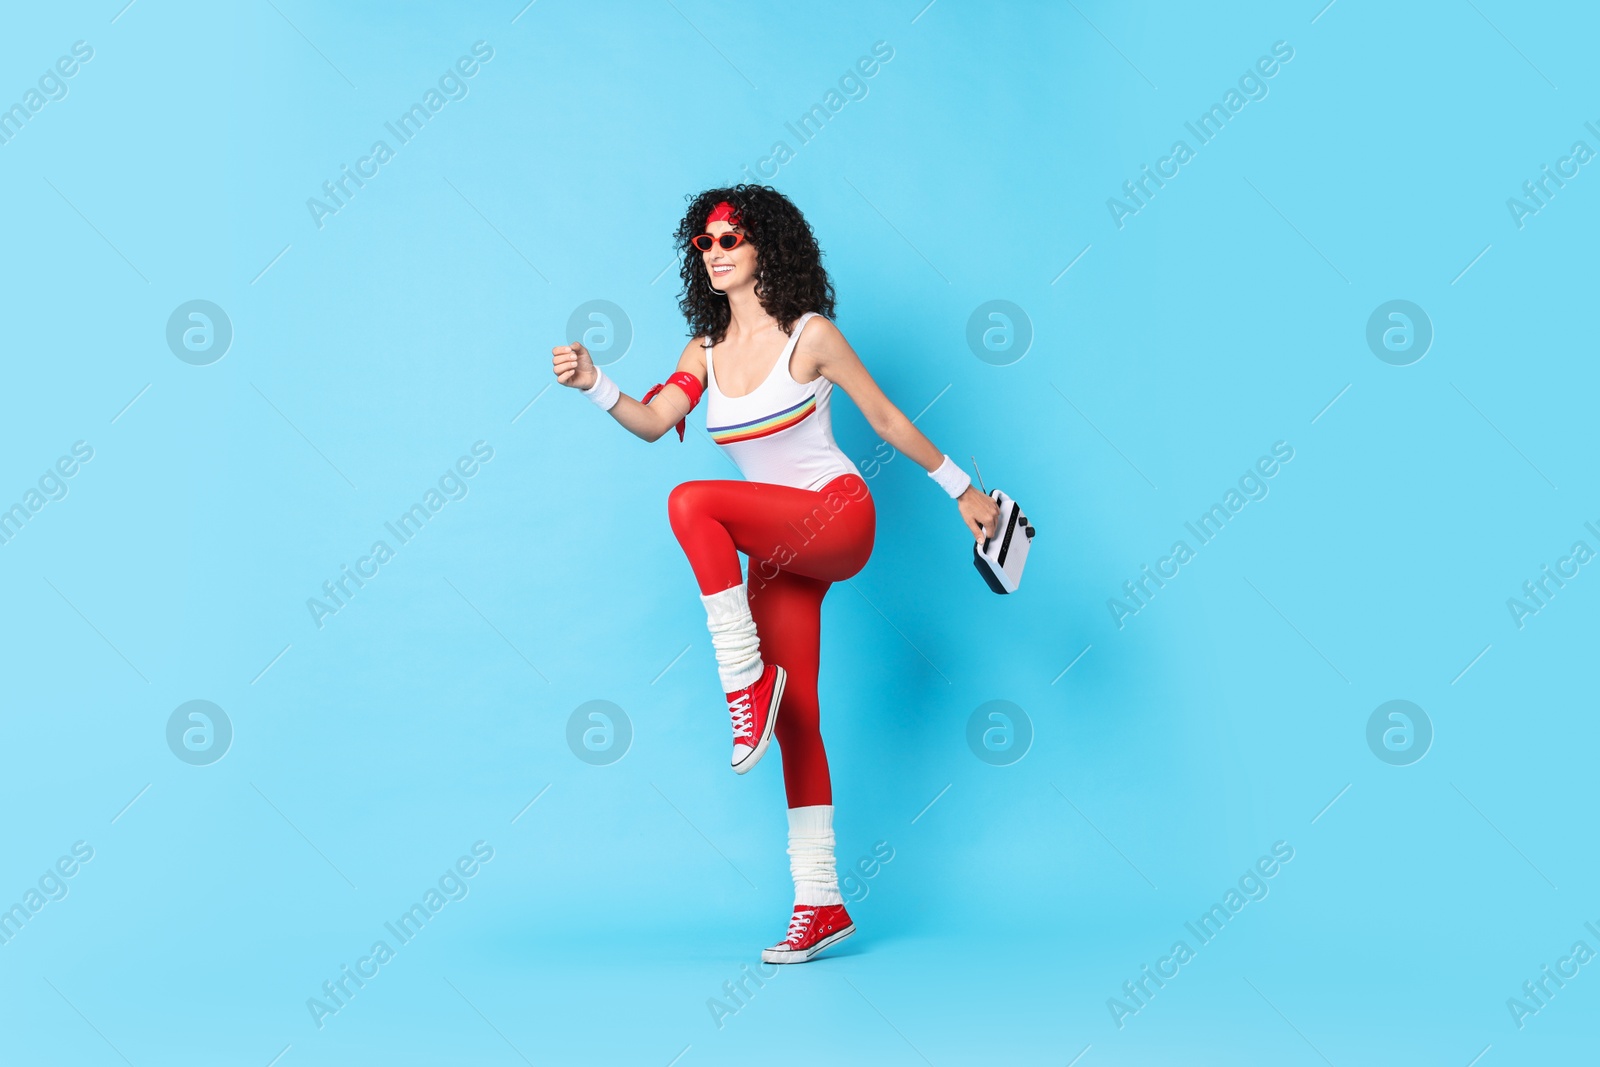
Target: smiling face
{"points": [[729, 268]]}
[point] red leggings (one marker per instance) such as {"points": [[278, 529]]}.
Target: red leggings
{"points": [[800, 542]]}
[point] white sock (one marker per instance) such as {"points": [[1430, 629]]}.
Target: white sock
{"points": [[811, 855], [733, 637]]}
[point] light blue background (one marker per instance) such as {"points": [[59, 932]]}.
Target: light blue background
{"points": [[425, 716]]}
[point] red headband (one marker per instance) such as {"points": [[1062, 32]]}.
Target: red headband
{"points": [[723, 212]]}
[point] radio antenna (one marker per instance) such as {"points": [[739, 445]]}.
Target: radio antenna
{"points": [[980, 474]]}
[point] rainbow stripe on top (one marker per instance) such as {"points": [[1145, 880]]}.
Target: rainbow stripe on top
{"points": [[763, 427]]}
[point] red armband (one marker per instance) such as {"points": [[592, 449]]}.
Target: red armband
{"points": [[685, 381]]}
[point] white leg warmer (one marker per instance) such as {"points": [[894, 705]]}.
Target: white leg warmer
{"points": [[811, 855], [733, 637]]}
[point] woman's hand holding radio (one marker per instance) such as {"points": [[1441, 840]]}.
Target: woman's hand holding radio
{"points": [[980, 512]]}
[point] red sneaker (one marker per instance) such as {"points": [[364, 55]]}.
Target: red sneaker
{"points": [[754, 710], [812, 928]]}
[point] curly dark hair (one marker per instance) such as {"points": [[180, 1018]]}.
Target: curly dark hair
{"points": [[790, 279]]}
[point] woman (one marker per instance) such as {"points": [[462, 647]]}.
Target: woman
{"points": [[753, 281]]}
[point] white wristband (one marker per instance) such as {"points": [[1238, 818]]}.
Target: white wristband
{"points": [[951, 478], [603, 392]]}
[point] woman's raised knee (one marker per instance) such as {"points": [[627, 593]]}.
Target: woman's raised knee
{"points": [[686, 502]]}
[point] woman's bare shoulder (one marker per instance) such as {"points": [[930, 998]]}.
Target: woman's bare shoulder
{"points": [[822, 341], [821, 344], [693, 358]]}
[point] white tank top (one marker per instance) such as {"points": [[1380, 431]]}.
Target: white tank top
{"points": [[781, 432]]}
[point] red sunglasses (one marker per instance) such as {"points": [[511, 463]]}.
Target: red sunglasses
{"points": [[704, 241]]}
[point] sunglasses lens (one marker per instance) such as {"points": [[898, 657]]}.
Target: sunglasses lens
{"points": [[729, 240], [702, 242]]}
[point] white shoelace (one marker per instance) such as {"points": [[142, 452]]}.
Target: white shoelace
{"points": [[798, 924], [739, 710]]}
